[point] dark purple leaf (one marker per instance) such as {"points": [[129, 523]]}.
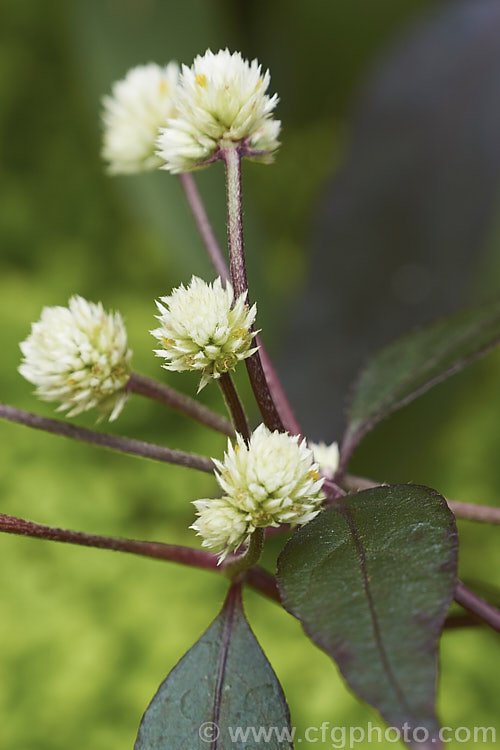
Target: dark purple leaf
{"points": [[372, 584], [415, 363], [223, 684], [404, 226]]}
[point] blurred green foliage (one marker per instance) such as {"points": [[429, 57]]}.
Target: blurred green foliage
{"points": [[88, 635]]}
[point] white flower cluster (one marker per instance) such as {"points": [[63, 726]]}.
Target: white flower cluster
{"points": [[221, 525], [222, 97], [203, 328], [270, 481], [78, 355], [157, 117], [139, 104], [327, 458]]}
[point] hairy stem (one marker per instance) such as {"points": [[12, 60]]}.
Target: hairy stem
{"points": [[255, 370], [257, 578], [283, 406], [477, 606], [216, 255], [115, 442], [204, 226], [234, 222], [469, 511], [234, 405], [251, 556], [144, 386], [473, 512]]}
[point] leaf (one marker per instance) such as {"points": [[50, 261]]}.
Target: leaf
{"points": [[223, 683], [413, 364], [407, 225], [371, 584]]}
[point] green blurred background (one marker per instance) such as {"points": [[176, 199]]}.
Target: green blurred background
{"points": [[88, 635]]}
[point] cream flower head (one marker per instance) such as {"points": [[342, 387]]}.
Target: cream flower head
{"points": [[327, 457], [78, 355], [270, 481], [139, 104], [203, 328], [221, 525], [222, 97], [274, 478]]}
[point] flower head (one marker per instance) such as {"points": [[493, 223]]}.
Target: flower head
{"points": [[222, 97], [327, 457], [221, 525], [139, 104], [78, 355], [203, 328], [273, 478], [270, 481]]}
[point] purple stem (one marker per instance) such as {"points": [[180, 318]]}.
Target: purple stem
{"points": [[281, 401], [255, 370], [258, 578], [478, 606], [165, 395], [234, 405], [469, 511], [473, 512], [214, 251], [232, 161], [204, 226], [115, 442]]}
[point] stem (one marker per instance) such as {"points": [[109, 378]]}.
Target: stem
{"points": [[473, 512], [249, 558], [262, 394], [478, 606], [332, 491], [356, 484], [165, 395], [115, 442], [260, 386], [468, 511], [260, 580], [204, 226], [234, 221], [464, 596], [465, 620], [234, 405], [283, 406], [257, 578], [218, 261], [347, 447], [283, 528]]}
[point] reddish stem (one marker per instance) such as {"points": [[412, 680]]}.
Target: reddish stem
{"points": [[255, 370], [468, 511], [256, 577], [477, 606], [115, 442], [216, 255], [234, 405], [204, 226], [165, 395]]}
